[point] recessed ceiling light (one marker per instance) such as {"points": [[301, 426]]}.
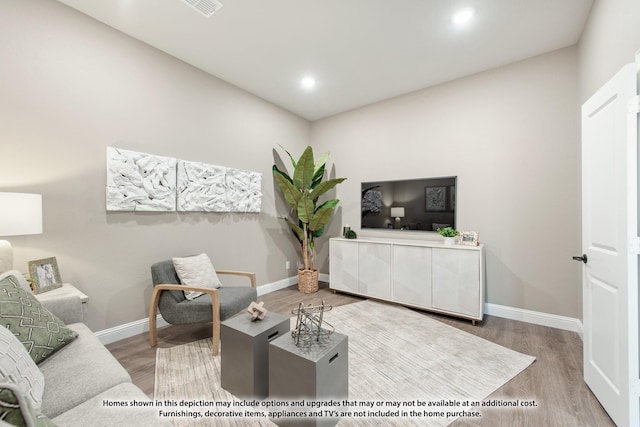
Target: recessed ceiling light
{"points": [[308, 82], [463, 16]]}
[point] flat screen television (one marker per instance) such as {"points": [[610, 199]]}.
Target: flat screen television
{"points": [[424, 204]]}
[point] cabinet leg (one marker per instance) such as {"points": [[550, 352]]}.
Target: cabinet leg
{"points": [[473, 322]]}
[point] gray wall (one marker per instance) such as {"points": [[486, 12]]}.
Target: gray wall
{"points": [[511, 135], [70, 87]]}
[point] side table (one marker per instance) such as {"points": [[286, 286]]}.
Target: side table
{"points": [[317, 372], [66, 290], [244, 354]]}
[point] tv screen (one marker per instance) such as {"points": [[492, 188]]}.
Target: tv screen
{"points": [[425, 204]]}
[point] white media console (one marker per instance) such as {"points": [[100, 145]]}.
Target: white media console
{"points": [[428, 275]]}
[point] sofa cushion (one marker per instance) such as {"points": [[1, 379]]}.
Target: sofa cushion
{"points": [[96, 411], [17, 367], [196, 271], [80, 371], [16, 410], [39, 330]]}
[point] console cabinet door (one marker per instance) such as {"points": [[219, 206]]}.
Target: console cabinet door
{"points": [[456, 281], [375, 270], [343, 267], [412, 275]]}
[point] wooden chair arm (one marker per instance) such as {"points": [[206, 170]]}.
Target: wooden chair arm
{"points": [[215, 311], [251, 276]]}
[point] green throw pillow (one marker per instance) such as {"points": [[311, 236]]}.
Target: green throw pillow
{"points": [[16, 410], [39, 330]]}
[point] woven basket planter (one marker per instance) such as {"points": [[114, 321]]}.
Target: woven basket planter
{"points": [[308, 281]]}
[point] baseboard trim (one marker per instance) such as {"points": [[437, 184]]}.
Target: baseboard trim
{"points": [[535, 317], [117, 333]]}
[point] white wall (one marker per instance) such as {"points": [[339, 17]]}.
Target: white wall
{"points": [[511, 135], [610, 40], [70, 87]]}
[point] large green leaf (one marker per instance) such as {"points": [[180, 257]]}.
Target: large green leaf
{"points": [[325, 186], [275, 171], [291, 193], [322, 215], [306, 206], [296, 229], [303, 174], [293, 161], [317, 177]]}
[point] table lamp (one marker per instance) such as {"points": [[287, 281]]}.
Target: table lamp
{"points": [[20, 214]]}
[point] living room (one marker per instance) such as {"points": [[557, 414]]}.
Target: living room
{"points": [[72, 86]]}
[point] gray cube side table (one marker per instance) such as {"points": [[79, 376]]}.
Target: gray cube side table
{"points": [[244, 353], [320, 372]]}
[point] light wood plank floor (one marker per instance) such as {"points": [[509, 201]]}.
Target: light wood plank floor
{"points": [[554, 381]]}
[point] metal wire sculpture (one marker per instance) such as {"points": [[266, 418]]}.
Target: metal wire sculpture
{"points": [[309, 324]]}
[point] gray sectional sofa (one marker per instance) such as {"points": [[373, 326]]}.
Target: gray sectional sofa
{"points": [[84, 385]]}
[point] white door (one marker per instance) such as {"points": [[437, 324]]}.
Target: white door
{"points": [[609, 233]]}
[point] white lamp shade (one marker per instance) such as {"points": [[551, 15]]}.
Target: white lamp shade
{"points": [[20, 213], [397, 212]]}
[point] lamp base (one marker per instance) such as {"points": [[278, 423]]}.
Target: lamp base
{"points": [[6, 256]]}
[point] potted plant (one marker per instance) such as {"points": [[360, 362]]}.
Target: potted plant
{"points": [[449, 235], [301, 192]]}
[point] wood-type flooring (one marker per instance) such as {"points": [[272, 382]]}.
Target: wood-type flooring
{"points": [[553, 382]]}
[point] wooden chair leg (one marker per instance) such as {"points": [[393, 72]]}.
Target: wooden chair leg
{"points": [[215, 307], [153, 310]]}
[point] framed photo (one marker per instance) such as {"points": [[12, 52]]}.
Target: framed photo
{"points": [[469, 238], [436, 198], [45, 275]]}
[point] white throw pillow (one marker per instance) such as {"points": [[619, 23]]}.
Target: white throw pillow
{"points": [[18, 277], [18, 368], [196, 271]]}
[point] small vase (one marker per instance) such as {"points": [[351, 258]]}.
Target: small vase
{"points": [[449, 240]]}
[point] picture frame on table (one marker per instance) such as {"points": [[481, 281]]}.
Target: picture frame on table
{"points": [[45, 275], [469, 238]]}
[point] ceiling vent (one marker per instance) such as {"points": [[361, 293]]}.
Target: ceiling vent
{"points": [[204, 7]]}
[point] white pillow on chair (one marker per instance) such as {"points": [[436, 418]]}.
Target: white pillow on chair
{"points": [[196, 271]]}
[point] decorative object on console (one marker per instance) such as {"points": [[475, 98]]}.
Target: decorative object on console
{"points": [[21, 214], [449, 235], [257, 310], [469, 238], [45, 275], [309, 324], [140, 181], [345, 230], [302, 193], [350, 234]]}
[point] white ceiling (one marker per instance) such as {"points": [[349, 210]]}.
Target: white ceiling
{"points": [[359, 51]]}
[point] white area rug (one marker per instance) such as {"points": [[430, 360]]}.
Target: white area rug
{"points": [[395, 355]]}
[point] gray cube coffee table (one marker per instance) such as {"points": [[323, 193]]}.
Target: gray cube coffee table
{"points": [[244, 353], [319, 372]]}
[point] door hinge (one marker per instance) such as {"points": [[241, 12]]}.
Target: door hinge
{"points": [[634, 245], [634, 105]]}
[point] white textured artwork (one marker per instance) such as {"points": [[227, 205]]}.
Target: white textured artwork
{"points": [[201, 187], [140, 181], [244, 190], [208, 188]]}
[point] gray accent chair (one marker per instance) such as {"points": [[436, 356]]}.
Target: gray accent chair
{"points": [[215, 305]]}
